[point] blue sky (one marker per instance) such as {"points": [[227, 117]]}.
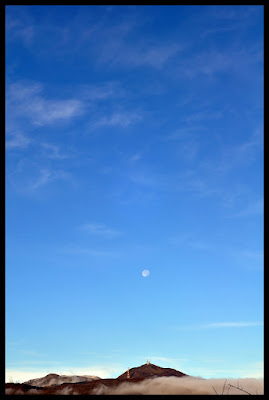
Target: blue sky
{"points": [[134, 140]]}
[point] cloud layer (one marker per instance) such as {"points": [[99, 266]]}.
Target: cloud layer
{"points": [[195, 386]]}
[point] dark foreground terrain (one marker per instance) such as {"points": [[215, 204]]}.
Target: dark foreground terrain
{"points": [[80, 388]]}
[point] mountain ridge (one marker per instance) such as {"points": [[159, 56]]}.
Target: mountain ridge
{"points": [[55, 380]]}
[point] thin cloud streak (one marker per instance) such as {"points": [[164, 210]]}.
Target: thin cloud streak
{"points": [[232, 324], [86, 251]]}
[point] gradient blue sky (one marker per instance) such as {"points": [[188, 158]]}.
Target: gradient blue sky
{"points": [[134, 140]]}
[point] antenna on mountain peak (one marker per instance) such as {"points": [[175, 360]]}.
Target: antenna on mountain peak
{"points": [[128, 373], [148, 362]]}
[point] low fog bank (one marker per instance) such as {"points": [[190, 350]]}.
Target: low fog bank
{"points": [[164, 385], [188, 385]]}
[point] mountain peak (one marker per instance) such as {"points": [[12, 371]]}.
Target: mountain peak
{"points": [[150, 370]]}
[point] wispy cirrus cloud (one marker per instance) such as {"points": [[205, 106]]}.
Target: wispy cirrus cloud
{"points": [[53, 151], [254, 208], [45, 177], [28, 177], [189, 240], [155, 56], [27, 100], [20, 28], [87, 251], [241, 154], [100, 230], [122, 119], [248, 258], [203, 115], [117, 47], [253, 254], [228, 19], [234, 324], [212, 62], [109, 43], [17, 140], [135, 157], [100, 91]]}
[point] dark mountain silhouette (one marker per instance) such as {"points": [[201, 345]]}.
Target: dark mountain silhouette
{"points": [[149, 371]]}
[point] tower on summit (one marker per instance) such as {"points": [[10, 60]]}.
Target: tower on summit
{"points": [[148, 362], [128, 373]]}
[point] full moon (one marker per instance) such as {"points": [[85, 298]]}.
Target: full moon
{"points": [[145, 273]]}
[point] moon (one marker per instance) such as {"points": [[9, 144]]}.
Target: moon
{"points": [[145, 273]]}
